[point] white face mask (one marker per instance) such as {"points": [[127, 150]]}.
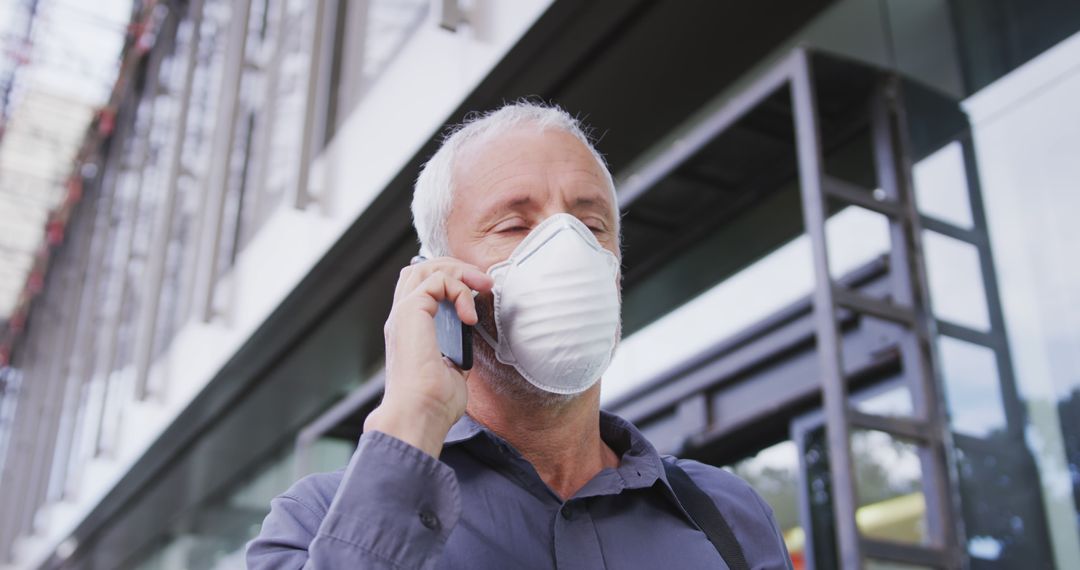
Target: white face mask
{"points": [[556, 307]]}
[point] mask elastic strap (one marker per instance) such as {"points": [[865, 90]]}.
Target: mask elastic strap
{"points": [[487, 338]]}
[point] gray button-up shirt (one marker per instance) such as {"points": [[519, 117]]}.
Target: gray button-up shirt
{"points": [[482, 505]]}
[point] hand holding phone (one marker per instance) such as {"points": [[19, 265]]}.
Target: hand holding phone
{"points": [[453, 336], [427, 352]]}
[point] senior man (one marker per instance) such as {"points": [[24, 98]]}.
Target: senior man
{"points": [[512, 464]]}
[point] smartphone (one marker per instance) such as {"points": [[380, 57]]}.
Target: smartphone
{"points": [[454, 337]]}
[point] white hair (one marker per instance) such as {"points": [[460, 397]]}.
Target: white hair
{"points": [[433, 194]]}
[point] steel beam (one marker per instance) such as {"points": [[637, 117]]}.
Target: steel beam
{"points": [[893, 163], [834, 386]]}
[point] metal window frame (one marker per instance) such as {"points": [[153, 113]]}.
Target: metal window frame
{"points": [[49, 415], [39, 411], [267, 122], [217, 180], [84, 354], [136, 168], [317, 99], [146, 330], [80, 232], [14, 472]]}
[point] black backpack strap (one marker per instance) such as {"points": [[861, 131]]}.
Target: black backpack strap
{"points": [[704, 513]]}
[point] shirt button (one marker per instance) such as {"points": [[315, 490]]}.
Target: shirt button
{"points": [[428, 519], [567, 512]]}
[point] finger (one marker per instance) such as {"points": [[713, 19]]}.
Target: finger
{"points": [[404, 276], [440, 287], [460, 295], [465, 304], [477, 280], [470, 274]]}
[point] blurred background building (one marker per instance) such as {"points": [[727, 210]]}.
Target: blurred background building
{"points": [[852, 214]]}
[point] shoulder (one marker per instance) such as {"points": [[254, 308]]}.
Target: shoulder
{"points": [[729, 491], [750, 517]]}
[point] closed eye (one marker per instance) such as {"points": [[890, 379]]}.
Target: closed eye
{"points": [[596, 226]]}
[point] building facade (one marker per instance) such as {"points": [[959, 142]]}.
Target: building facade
{"points": [[848, 264]]}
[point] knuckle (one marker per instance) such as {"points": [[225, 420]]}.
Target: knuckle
{"points": [[388, 325]]}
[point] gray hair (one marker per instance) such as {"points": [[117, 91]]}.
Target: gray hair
{"points": [[433, 194]]}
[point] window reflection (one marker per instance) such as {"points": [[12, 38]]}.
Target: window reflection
{"points": [[214, 534], [888, 481], [1003, 512], [941, 188], [972, 387], [774, 473], [956, 290], [892, 401], [888, 477]]}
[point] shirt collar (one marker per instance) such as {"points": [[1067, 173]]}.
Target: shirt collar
{"points": [[640, 464], [463, 430]]}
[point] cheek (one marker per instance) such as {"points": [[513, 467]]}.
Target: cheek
{"points": [[497, 249], [477, 250]]}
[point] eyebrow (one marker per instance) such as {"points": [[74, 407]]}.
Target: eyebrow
{"points": [[525, 203], [513, 203], [590, 202]]}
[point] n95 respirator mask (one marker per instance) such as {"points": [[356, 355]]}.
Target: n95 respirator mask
{"points": [[556, 308]]}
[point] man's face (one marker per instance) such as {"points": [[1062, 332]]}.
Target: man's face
{"points": [[505, 186]]}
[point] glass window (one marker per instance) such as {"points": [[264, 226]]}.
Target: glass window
{"points": [[941, 188], [177, 283], [972, 387], [774, 473], [376, 33], [1028, 174], [239, 223], [888, 480], [955, 279], [273, 92], [214, 534]]}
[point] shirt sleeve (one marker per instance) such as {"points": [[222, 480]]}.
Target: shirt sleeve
{"points": [[394, 508]]}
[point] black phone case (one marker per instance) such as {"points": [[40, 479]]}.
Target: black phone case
{"points": [[453, 336]]}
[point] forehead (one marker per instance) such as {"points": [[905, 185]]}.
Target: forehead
{"points": [[528, 162]]}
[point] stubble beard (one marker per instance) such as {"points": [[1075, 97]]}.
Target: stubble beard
{"points": [[504, 379]]}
